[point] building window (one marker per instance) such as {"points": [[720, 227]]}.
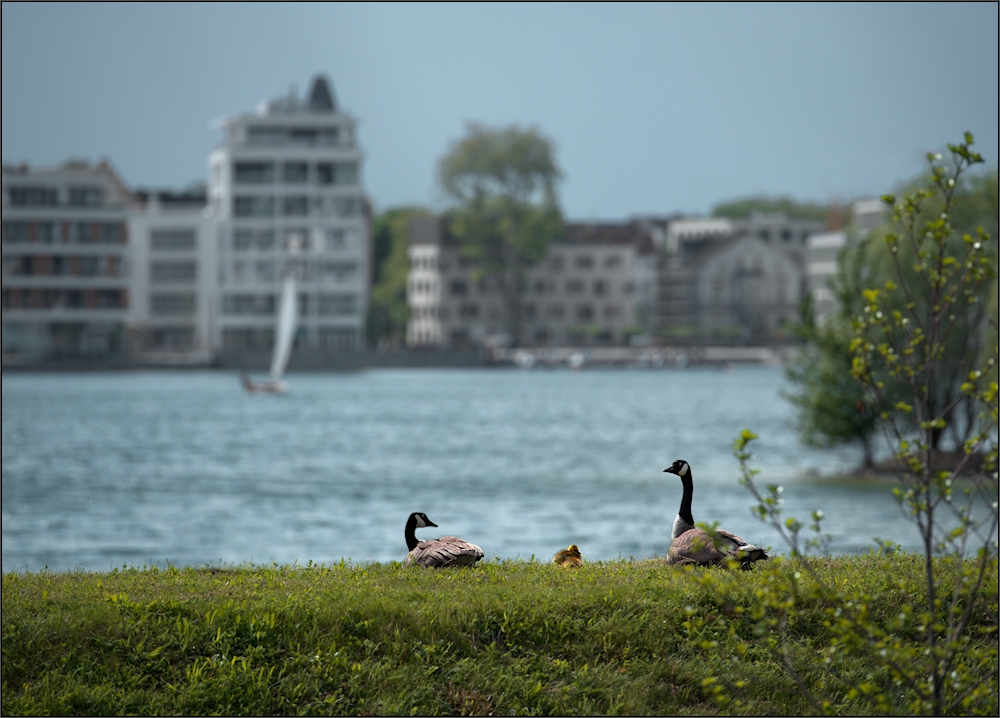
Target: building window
{"points": [[253, 239], [112, 233], [340, 173], [339, 239], [338, 305], [86, 196], [458, 288], [167, 240], [556, 311], [171, 338], [557, 262], [45, 232], [254, 206], [338, 339], [248, 304], [584, 312], [297, 206], [171, 304], [172, 272], [467, 310], [33, 196], [14, 232], [613, 261], [612, 312], [584, 261], [574, 286], [295, 240], [530, 311], [248, 338], [600, 287], [253, 172], [295, 172]]}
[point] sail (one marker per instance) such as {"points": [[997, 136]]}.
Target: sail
{"points": [[285, 333]]}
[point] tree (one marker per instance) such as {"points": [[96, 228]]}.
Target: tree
{"points": [[831, 404], [741, 208], [388, 311], [833, 408], [503, 185], [900, 347]]}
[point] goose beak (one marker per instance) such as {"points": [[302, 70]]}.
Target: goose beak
{"points": [[431, 523]]}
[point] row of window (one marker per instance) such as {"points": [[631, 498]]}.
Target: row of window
{"points": [[42, 196], [172, 304], [17, 232], [542, 336], [555, 263], [529, 312], [307, 136], [322, 173], [178, 272], [326, 305], [65, 299], [315, 272], [327, 338], [266, 239], [64, 266], [172, 240], [174, 338], [296, 206], [462, 288]]}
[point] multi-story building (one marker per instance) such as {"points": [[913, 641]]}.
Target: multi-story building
{"points": [[66, 262], [285, 190], [594, 287], [175, 278], [732, 280], [823, 253]]}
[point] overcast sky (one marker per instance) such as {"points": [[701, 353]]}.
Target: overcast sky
{"points": [[653, 109]]}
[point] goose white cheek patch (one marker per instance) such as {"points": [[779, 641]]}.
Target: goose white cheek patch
{"points": [[684, 470], [420, 523]]}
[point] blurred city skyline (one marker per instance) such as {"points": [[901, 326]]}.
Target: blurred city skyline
{"points": [[653, 109]]}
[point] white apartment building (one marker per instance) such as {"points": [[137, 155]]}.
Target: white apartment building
{"points": [[595, 286], [174, 271], [823, 253], [67, 280], [285, 189]]}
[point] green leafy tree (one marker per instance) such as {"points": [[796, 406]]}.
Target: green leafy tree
{"points": [[503, 183], [833, 408], [899, 346], [831, 405], [388, 310]]}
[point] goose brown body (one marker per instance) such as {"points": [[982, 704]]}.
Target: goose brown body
{"points": [[692, 545], [437, 553]]}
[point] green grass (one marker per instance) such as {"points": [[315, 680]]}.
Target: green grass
{"points": [[511, 637]]}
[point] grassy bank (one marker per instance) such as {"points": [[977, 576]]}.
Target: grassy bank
{"points": [[503, 638]]}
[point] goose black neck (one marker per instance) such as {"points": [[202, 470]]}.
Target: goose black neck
{"points": [[411, 536], [685, 510]]}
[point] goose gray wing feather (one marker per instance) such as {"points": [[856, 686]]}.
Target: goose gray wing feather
{"points": [[443, 552], [696, 547]]}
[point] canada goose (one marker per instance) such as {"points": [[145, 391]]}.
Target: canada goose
{"points": [[437, 553], [691, 545], [569, 557]]}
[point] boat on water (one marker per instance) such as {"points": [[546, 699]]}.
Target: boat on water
{"points": [[284, 336]]}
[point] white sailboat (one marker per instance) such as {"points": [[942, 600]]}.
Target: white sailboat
{"points": [[284, 336]]}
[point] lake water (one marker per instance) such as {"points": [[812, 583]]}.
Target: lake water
{"points": [[111, 469]]}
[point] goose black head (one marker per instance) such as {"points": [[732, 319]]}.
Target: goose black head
{"points": [[420, 520], [679, 467]]}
